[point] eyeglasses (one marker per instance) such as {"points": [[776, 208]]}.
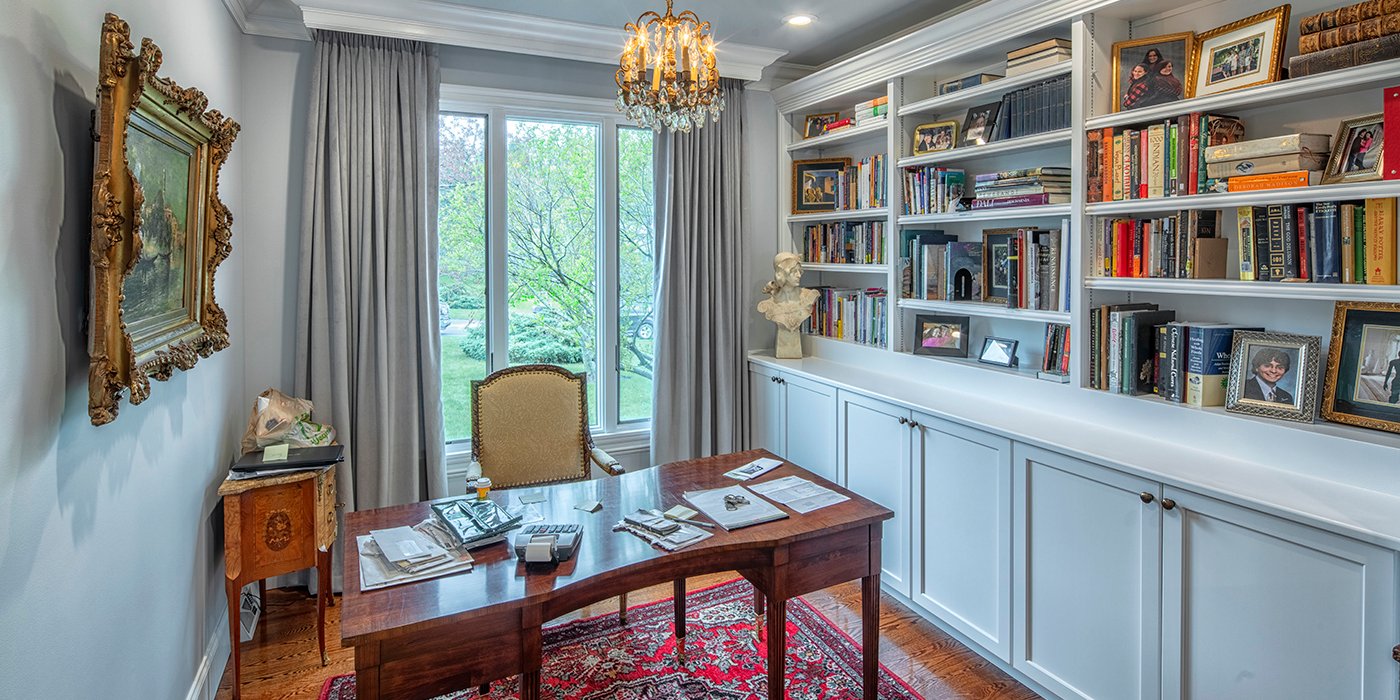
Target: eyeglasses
{"points": [[733, 502]]}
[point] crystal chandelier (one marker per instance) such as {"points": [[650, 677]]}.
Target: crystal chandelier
{"points": [[683, 85]]}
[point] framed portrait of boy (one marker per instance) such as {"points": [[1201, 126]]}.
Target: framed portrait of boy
{"points": [[935, 136], [1152, 71], [1356, 152], [1363, 366], [1274, 375], [1240, 54], [814, 184], [978, 124], [945, 336], [815, 124]]}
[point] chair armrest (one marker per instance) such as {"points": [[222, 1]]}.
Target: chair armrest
{"points": [[606, 462]]}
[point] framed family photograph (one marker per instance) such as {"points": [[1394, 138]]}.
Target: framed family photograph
{"points": [[935, 137], [1274, 375], [977, 125], [1240, 54], [945, 336], [1152, 71], [996, 252], [815, 124], [814, 184], [159, 229], [998, 351], [1363, 366], [1356, 152]]}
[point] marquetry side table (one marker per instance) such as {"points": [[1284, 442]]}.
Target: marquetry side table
{"points": [[276, 525]]}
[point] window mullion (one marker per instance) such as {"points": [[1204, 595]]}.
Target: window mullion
{"points": [[608, 268], [497, 299]]}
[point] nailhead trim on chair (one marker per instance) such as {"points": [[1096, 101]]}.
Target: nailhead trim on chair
{"points": [[582, 379]]}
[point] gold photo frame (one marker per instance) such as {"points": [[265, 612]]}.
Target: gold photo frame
{"points": [[1241, 54], [814, 125], [1357, 150], [935, 136], [1166, 62], [159, 230]]}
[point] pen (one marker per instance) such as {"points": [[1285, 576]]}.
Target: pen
{"points": [[692, 522]]}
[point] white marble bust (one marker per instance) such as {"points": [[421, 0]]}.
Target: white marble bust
{"points": [[788, 305]]}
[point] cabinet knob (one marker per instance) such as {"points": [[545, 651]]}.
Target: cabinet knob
{"points": [[903, 420], [1395, 653], [1146, 497], [782, 381], [773, 379], [914, 424], [1168, 504]]}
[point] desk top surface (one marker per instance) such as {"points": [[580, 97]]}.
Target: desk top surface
{"points": [[499, 580]]}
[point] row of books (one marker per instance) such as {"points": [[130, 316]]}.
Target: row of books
{"points": [[1182, 245], [930, 189], [856, 315], [1020, 268], [1019, 188], [1352, 24], [1327, 242], [1159, 160], [1055, 363], [1034, 109], [862, 185], [1036, 56], [844, 242]]}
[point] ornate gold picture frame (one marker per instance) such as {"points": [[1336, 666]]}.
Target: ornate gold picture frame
{"points": [[159, 230], [1241, 54], [1362, 386]]}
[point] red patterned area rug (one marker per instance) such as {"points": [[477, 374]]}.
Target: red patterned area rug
{"points": [[596, 659]]}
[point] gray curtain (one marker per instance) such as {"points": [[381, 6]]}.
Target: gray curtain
{"points": [[698, 406], [367, 351]]}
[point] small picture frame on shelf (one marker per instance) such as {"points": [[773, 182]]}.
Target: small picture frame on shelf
{"points": [[1274, 375], [814, 184], [998, 351], [1363, 366], [935, 136], [1356, 152], [814, 125], [996, 276], [943, 336], [978, 124], [1241, 54], [1152, 71]]}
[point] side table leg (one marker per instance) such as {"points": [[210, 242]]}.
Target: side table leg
{"points": [[777, 649], [231, 590], [323, 586], [870, 632], [262, 601]]}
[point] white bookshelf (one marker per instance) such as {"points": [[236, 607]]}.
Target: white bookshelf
{"points": [[1258, 290], [1048, 139], [986, 92], [985, 309], [1230, 200], [843, 215], [843, 136], [862, 268], [1003, 214]]}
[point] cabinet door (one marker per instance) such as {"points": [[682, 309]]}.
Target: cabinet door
{"points": [[809, 425], [962, 536], [874, 453], [1086, 605], [765, 410], [1255, 606]]}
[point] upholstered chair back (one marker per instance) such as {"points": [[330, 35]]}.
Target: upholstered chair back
{"points": [[530, 425]]}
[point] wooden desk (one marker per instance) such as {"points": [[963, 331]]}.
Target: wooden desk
{"points": [[423, 639], [273, 526]]}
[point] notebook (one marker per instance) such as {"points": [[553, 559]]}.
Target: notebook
{"points": [[734, 507], [297, 458]]}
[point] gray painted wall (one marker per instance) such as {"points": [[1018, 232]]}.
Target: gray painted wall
{"points": [[111, 574]]}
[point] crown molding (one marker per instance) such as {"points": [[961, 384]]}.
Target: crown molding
{"points": [[781, 73], [942, 40], [253, 24], [446, 23]]}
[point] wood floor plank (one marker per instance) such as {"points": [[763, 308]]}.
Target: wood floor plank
{"points": [[281, 661]]}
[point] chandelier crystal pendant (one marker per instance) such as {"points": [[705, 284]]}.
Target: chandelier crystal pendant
{"points": [[667, 76]]}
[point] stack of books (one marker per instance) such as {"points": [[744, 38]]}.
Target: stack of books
{"points": [[1322, 242], [1021, 188], [1187, 244], [933, 190], [1036, 56], [862, 185], [1292, 160], [1157, 160], [844, 242], [872, 110], [855, 315], [1055, 365], [1349, 36]]}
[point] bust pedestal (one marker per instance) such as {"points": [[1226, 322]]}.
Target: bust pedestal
{"points": [[789, 345]]}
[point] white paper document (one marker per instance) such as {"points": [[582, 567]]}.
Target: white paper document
{"points": [[377, 572], [734, 507], [758, 467], [799, 494]]}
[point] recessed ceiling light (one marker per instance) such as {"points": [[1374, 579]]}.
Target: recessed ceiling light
{"points": [[799, 20]]}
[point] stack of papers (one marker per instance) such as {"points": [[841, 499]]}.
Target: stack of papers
{"points": [[408, 550], [799, 494], [403, 554], [758, 467], [734, 507], [652, 521], [653, 527]]}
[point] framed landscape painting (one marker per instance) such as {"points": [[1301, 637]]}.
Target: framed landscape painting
{"points": [[814, 184], [159, 230]]}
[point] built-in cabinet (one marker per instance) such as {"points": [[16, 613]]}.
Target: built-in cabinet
{"points": [[1087, 579]]}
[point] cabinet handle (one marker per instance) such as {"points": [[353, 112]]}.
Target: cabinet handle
{"points": [[1168, 504], [1395, 653], [903, 420], [914, 424], [1146, 497]]}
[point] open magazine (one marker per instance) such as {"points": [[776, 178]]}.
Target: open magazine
{"points": [[473, 523]]}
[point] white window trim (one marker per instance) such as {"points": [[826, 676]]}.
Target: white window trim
{"points": [[499, 105]]}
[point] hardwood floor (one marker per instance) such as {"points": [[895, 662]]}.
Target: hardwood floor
{"points": [[282, 662]]}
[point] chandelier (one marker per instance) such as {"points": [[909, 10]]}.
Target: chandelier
{"points": [[683, 84]]}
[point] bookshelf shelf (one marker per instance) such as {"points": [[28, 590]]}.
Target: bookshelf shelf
{"points": [[973, 308], [1005, 214], [880, 268], [1025, 143], [983, 93], [1025, 372], [847, 215], [850, 133], [1375, 75], [1227, 200], [1236, 288], [842, 341]]}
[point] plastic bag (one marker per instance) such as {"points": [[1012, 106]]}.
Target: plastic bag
{"points": [[278, 418]]}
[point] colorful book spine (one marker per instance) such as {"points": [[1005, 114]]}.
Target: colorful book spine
{"points": [[1380, 241], [1273, 181]]}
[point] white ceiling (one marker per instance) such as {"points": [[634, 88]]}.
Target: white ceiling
{"points": [[842, 26]]}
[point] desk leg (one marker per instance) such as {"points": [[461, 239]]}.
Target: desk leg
{"points": [[870, 632], [777, 648], [231, 590], [678, 602], [323, 587], [530, 647]]}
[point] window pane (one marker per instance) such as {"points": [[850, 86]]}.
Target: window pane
{"points": [[552, 243], [461, 265], [636, 238]]}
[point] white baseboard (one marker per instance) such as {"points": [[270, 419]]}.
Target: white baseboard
{"points": [[211, 668]]}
